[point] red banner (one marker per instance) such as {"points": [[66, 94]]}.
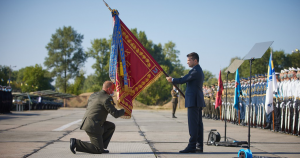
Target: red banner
{"points": [[219, 92], [142, 70]]}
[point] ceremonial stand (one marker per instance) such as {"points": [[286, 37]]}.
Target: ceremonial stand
{"points": [[231, 69], [256, 52]]}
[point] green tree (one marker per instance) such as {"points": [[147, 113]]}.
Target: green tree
{"points": [[35, 79], [91, 84], [209, 78], [4, 75], [65, 56], [5, 71], [172, 60], [293, 59], [100, 50], [171, 53], [77, 87]]}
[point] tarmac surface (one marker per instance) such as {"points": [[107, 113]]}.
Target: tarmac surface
{"points": [[148, 134]]}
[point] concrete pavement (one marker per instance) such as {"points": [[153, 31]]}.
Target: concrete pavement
{"points": [[148, 133]]}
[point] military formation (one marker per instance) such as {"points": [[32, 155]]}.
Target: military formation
{"points": [[210, 112], [285, 117]]}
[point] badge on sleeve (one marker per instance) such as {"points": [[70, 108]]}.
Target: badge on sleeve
{"points": [[112, 102]]}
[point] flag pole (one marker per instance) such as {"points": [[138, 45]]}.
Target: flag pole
{"points": [[175, 85], [107, 5], [163, 70]]}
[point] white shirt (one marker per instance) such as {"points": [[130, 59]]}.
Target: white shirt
{"points": [[297, 88], [289, 89], [284, 89]]}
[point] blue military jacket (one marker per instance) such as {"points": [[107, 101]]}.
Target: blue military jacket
{"points": [[194, 83]]}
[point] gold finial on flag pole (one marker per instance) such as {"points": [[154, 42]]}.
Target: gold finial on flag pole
{"points": [[107, 5]]}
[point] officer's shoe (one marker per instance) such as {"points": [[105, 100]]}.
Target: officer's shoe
{"points": [[105, 151], [72, 145], [186, 150], [199, 149], [174, 116]]}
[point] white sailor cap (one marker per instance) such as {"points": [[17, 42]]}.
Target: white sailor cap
{"points": [[286, 70], [282, 71], [293, 69], [298, 68], [277, 73]]}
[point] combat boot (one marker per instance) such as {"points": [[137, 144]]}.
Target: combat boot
{"points": [[268, 126]]}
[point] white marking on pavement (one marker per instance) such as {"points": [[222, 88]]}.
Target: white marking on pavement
{"points": [[66, 125]]}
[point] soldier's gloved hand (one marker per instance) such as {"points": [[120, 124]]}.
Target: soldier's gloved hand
{"points": [[288, 104], [282, 104]]}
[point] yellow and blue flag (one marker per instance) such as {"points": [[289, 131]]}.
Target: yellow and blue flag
{"points": [[237, 90], [271, 86]]}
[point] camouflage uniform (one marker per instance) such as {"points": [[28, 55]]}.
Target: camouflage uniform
{"points": [[174, 94]]}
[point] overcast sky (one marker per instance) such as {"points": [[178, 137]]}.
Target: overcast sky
{"points": [[216, 29]]}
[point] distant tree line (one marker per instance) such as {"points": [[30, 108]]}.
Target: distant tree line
{"points": [[66, 57]]}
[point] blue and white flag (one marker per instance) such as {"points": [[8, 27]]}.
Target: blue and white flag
{"points": [[271, 86]]}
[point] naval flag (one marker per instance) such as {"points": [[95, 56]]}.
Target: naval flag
{"points": [[271, 86]]}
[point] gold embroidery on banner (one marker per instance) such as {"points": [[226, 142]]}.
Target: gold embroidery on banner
{"points": [[140, 86], [146, 80], [127, 53], [133, 46]]}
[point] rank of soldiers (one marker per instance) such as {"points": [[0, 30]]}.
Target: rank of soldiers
{"points": [[285, 118]]}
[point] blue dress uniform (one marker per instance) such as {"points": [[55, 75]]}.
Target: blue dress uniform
{"points": [[259, 101], [254, 103], [194, 101], [252, 111], [242, 101], [247, 91]]}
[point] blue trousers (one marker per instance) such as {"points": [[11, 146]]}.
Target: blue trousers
{"points": [[242, 110], [195, 127], [268, 119]]}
